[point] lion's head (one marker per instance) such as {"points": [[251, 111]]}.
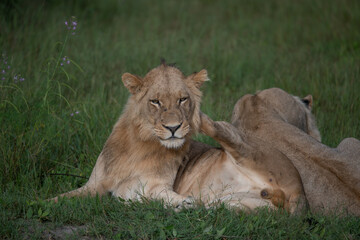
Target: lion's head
{"points": [[165, 104], [277, 102]]}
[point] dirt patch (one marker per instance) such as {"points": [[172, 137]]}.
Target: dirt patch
{"points": [[34, 229], [66, 232]]}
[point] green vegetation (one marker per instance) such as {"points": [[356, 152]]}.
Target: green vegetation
{"points": [[55, 119]]}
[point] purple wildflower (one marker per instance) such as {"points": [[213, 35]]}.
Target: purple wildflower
{"points": [[22, 79], [3, 78], [66, 60], [71, 24], [9, 67], [73, 113], [3, 71]]}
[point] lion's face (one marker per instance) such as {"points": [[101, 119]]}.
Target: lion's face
{"points": [[166, 104]]}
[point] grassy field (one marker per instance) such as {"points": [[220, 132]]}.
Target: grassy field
{"points": [[61, 93]]}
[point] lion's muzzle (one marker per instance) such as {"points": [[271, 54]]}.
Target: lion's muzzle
{"points": [[173, 129], [172, 135]]}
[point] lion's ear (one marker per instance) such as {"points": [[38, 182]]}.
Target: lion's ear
{"points": [[198, 79], [308, 101], [132, 83]]}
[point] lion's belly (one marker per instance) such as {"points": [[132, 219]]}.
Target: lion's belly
{"points": [[235, 185]]}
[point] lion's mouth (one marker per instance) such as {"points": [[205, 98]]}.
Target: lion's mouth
{"points": [[170, 138], [172, 142]]}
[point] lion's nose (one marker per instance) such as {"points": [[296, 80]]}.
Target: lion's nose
{"points": [[173, 128]]}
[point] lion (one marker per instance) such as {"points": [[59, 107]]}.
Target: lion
{"points": [[243, 173], [330, 176], [149, 141]]}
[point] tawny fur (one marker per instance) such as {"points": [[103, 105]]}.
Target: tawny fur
{"points": [[330, 176], [149, 141], [243, 173]]}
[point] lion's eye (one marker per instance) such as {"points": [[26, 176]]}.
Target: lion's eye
{"points": [[182, 100], [155, 102]]}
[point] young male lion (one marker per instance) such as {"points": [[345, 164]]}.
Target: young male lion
{"points": [[149, 141]]}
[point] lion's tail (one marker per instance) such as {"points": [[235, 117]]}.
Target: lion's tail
{"points": [[277, 197]]}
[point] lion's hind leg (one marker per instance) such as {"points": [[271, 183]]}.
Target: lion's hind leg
{"points": [[86, 190], [297, 203], [244, 201], [83, 191], [224, 133]]}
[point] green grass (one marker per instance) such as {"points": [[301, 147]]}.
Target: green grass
{"points": [[304, 47]]}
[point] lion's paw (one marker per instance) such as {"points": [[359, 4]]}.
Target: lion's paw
{"points": [[186, 203]]}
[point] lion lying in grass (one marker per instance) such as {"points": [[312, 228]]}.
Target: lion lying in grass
{"points": [[271, 132], [243, 173], [149, 141], [331, 177]]}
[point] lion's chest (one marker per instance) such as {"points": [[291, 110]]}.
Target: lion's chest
{"points": [[137, 174]]}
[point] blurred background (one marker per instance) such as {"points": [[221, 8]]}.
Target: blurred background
{"points": [[61, 93], [61, 89]]}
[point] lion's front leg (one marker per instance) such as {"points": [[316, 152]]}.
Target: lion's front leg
{"points": [[166, 193], [151, 188]]}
